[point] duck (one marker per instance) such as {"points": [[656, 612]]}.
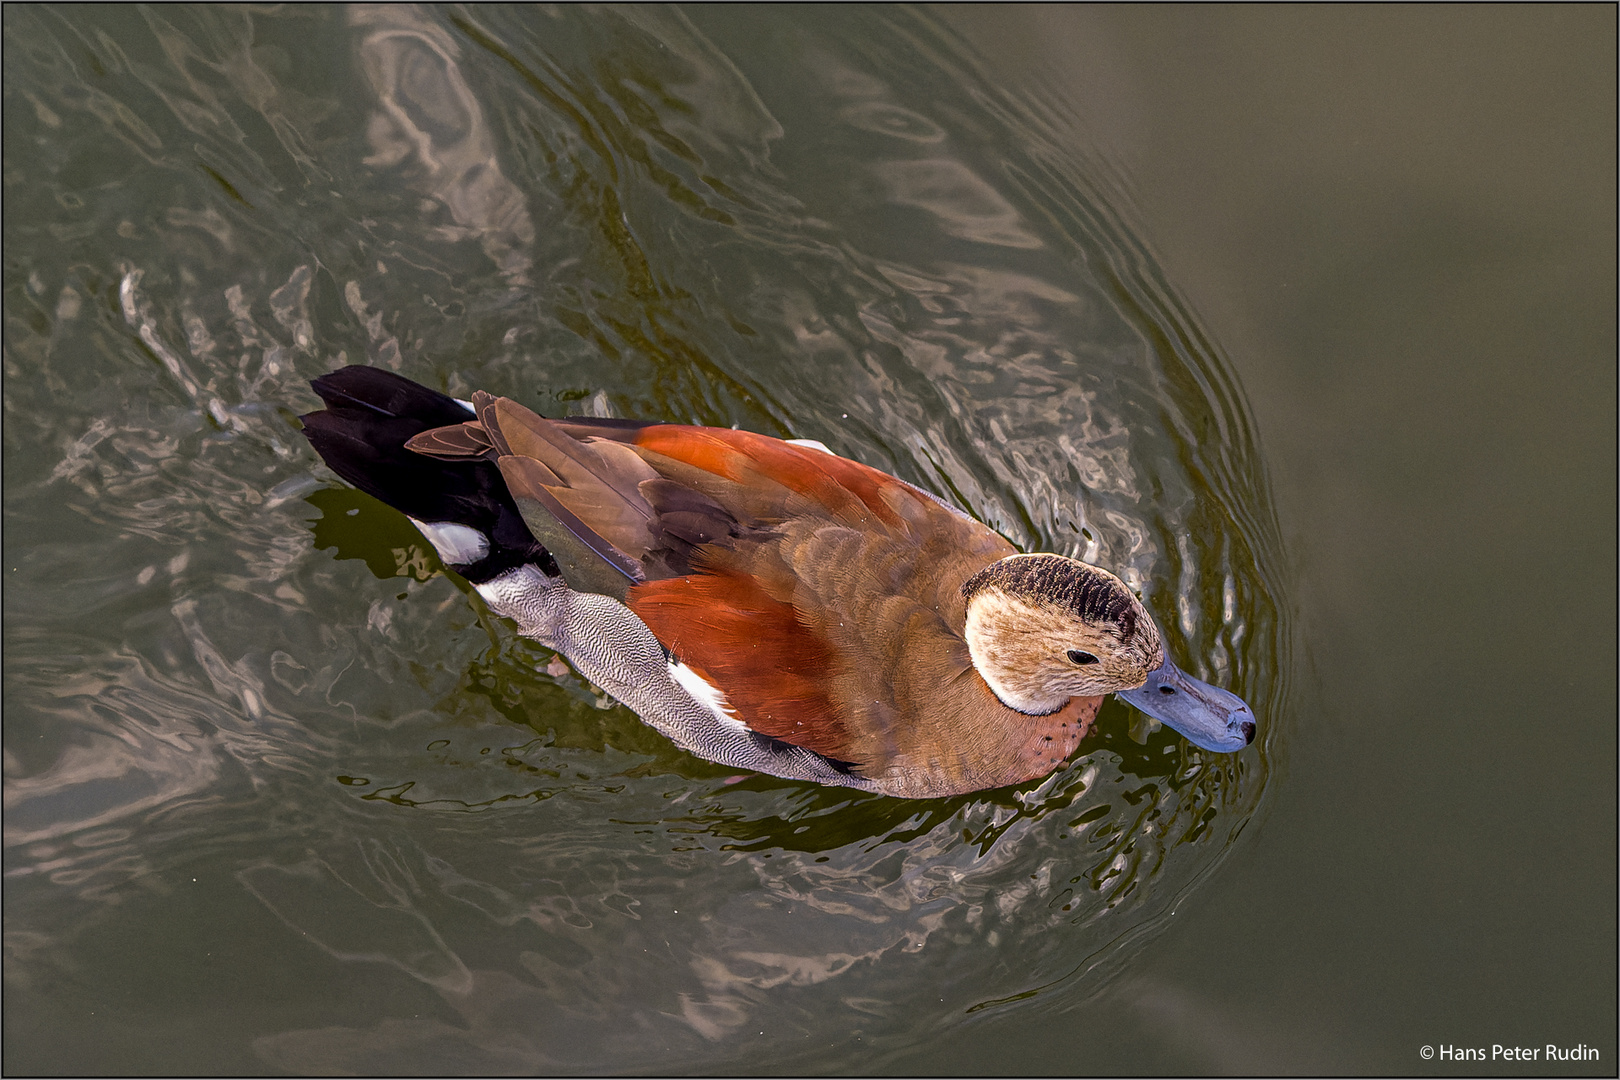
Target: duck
{"points": [[767, 604]]}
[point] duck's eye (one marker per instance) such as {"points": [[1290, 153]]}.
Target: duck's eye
{"points": [[1078, 657]]}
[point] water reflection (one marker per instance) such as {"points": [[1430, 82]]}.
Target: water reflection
{"points": [[429, 119], [887, 119], [965, 205], [219, 665]]}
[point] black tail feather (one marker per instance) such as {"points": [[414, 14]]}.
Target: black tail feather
{"points": [[386, 394], [361, 435]]}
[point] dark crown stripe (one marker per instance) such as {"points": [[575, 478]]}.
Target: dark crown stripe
{"points": [[1065, 583]]}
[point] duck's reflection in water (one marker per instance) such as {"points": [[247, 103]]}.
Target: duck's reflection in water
{"points": [[429, 122]]}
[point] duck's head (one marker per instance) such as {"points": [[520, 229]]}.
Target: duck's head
{"points": [[1042, 629]]}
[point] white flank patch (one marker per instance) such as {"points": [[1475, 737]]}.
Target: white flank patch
{"points": [[457, 545], [811, 444], [707, 693], [465, 404]]}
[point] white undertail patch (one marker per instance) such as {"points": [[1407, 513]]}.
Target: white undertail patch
{"points": [[457, 545], [466, 405], [706, 693]]}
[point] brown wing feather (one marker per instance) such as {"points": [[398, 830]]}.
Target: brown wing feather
{"points": [[847, 491], [599, 479], [456, 442], [588, 561], [770, 667]]}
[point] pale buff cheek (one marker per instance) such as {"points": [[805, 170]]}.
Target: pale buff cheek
{"points": [[1084, 681], [1022, 649]]}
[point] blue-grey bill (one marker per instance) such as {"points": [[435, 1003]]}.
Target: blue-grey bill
{"points": [[1206, 715]]}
